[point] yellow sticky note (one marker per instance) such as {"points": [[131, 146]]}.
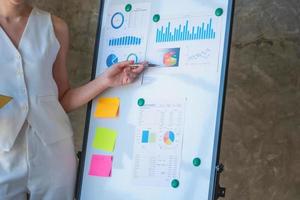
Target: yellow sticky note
{"points": [[105, 139], [4, 100], [107, 107]]}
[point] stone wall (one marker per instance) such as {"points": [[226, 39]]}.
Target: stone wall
{"points": [[260, 146], [261, 137]]}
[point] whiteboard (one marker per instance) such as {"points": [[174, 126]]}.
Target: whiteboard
{"points": [[168, 146]]}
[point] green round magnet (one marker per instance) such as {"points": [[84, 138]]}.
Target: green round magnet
{"points": [[197, 162], [156, 17], [128, 7], [219, 12], [141, 102], [175, 183]]}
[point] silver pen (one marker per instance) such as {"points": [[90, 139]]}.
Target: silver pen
{"points": [[146, 65]]}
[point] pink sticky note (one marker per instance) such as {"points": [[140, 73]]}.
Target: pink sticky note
{"points": [[101, 165]]}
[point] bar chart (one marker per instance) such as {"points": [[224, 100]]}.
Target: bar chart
{"points": [[185, 32], [125, 41], [148, 137]]}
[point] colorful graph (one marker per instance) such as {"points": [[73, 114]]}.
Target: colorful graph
{"points": [[147, 137], [169, 138], [184, 32], [117, 20], [171, 57], [111, 60], [125, 41]]}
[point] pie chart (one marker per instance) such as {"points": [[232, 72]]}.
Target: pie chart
{"points": [[117, 20], [111, 60], [169, 138], [133, 57]]}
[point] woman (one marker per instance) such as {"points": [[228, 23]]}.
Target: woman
{"points": [[36, 144]]}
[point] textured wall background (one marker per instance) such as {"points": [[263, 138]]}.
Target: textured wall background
{"points": [[261, 137]]}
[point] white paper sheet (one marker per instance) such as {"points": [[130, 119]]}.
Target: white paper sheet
{"points": [[158, 143], [125, 34]]}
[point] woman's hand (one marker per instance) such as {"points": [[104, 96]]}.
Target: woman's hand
{"points": [[73, 98], [121, 74], [117, 75]]}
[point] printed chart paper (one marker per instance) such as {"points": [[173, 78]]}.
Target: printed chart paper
{"points": [[158, 143], [126, 34], [185, 41]]}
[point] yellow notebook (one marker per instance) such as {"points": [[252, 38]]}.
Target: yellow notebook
{"points": [[4, 100]]}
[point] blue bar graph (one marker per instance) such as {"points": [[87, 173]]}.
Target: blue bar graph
{"points": [[125, 41], [145, 137], [184, 33]]}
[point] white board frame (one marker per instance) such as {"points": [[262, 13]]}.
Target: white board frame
{"points": [[214, 179]]}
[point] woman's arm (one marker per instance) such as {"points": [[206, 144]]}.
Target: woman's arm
{"points": [[73, 98]]}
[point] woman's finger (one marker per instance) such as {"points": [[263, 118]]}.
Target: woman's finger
{"points": [[119, 67], [133, 76], [139, 69], [127, 81], [124, 64]]}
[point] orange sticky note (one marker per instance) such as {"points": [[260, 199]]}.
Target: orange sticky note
{"points": [[107, 107], [4, 100], [101, 165]]}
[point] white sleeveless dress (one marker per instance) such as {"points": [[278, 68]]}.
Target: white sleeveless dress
{"points": [[36, 140]]}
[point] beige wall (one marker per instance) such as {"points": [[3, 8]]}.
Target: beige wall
{"points": [[261, 138]]}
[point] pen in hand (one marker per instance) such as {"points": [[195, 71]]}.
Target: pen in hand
{"points": [[136, 65]]}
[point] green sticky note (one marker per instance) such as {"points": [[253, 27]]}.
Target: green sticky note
{"points": [[105, 139]]}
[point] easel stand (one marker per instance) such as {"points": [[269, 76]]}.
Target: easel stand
{"points": [[220, 191]]}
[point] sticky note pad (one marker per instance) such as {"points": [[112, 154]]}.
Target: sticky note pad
{"points": [[107, 107], [101, 165], [105, 139], [4, 100]]}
